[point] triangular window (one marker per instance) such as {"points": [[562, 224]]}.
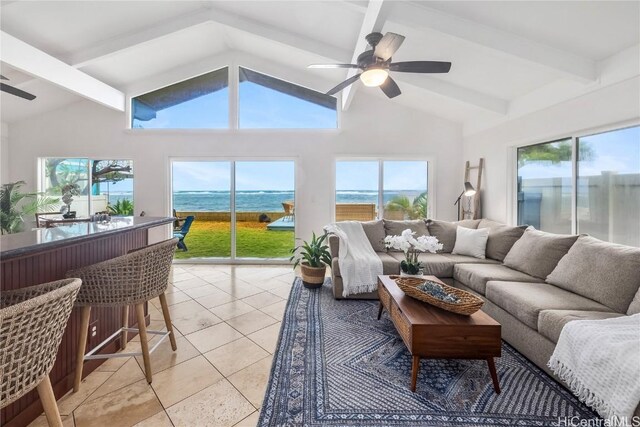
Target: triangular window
{"points": [[267, 102], [198, 103]]}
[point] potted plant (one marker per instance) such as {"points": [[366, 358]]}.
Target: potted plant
{"points": [[410, 245], [313, 258], [68, 191]]}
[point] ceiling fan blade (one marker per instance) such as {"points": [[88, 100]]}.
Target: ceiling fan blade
{"points": [[390, 88], [332, 66], [17, 92], [3, 77], [421, 67], [344, 84], [388, 45]]}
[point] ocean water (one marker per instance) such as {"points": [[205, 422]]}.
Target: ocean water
{"points": [[257, 201]]}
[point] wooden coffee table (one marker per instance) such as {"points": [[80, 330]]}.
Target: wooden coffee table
{"points": [[432, 333]]}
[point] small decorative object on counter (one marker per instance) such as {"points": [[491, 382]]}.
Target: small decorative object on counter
{"points": [[411, 246], [68, 191]]}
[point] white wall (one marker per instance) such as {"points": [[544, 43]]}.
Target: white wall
{"points": [[614, 105], [4, 153], [371, 127]]}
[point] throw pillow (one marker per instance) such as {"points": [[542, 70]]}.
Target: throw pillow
{"points": [[501, 238], [375, 233], [395, 228], [537, 253], [445, 231], [471, 242], [601, 271]]}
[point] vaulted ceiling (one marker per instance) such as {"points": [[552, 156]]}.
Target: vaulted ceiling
{"points": [[509, 58]]}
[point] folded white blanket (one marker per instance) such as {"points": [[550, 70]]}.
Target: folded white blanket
{"points": [[600, 361], [358, 262]]}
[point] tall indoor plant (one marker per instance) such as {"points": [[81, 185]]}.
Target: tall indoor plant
{"points": [[411, 246], [313, 258]]}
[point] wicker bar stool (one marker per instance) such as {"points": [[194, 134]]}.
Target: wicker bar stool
{"points": [[32, 321], [130, 279]]}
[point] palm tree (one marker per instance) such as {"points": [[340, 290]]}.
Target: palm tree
{"points": [[14, 205], [412, 210]]}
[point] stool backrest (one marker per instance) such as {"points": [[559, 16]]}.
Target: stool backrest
{"points": [[128, 279], [32, 322]]}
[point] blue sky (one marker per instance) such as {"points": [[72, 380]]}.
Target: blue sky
{"points": [[617, 151], [216, 176], [398, 175]]}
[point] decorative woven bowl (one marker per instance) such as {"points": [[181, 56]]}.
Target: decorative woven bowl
{"points": [[468, 304]]}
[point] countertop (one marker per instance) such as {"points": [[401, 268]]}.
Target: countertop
{"points": [[13, 245]]}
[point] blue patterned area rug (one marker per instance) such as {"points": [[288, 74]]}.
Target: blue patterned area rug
{"points": [[336, 365]]}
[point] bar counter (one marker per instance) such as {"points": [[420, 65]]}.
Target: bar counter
{"points": [[43, 255]]}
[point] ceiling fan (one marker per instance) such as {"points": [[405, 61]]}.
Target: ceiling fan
{"points": [[15, 91], [376, 64]]}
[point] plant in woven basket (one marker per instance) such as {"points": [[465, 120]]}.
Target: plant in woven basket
{"points": [[313, 258], [412, 246]]}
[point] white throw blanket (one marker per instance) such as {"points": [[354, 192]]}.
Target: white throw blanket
{"points": [[358, 262], [600, 361]]}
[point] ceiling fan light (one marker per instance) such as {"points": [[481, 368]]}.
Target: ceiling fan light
{"points": [[374, 77]]}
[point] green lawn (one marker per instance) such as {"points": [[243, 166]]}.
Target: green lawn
{"points": [[213, 239]]}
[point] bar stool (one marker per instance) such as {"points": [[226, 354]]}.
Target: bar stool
{"points": [[130, 279], [32, 321]]}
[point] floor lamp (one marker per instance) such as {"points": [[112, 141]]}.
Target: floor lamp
{"points": [[468, 191]]}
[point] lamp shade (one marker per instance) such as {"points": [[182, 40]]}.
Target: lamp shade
{"points": [[468, 189], [374, 77]]}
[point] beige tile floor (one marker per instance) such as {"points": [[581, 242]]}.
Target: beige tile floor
{"points": [[227, 320]]}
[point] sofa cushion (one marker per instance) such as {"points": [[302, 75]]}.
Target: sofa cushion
{"points": [[526, 300], [634, 307], [375, 233], [602, 271], [501, 238], [441, 265], [476, 276], [445, 231], [537, 253], [390, 265], [551, 322], [471, 242]]}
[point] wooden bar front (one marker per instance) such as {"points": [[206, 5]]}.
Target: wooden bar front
{"points": [[45, 262]]}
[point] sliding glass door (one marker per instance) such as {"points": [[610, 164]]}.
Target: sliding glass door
{"points": [[241, 209]]}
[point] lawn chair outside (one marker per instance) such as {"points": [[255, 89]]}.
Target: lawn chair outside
{"points": [[183, 232]]}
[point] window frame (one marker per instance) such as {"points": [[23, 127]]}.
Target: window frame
{"points": [[234, 103], [512, 158], [431, 178], [40, 162]]}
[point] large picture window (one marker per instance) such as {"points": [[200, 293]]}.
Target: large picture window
{"points": [[391, 189], [588, 184]]}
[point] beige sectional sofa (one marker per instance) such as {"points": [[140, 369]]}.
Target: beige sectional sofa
{"points": [[532, 282]]}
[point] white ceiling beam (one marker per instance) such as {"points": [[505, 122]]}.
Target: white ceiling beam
{"points": [[374, 18], [568, 64], [277, 34], [204, 16], [449, 90], [37, 63], [127, 41]]}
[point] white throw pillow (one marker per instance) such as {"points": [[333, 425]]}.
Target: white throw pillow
{"points": [[471, 242]]}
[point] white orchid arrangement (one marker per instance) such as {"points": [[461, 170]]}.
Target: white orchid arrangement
{"points": [[411, 246]]}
